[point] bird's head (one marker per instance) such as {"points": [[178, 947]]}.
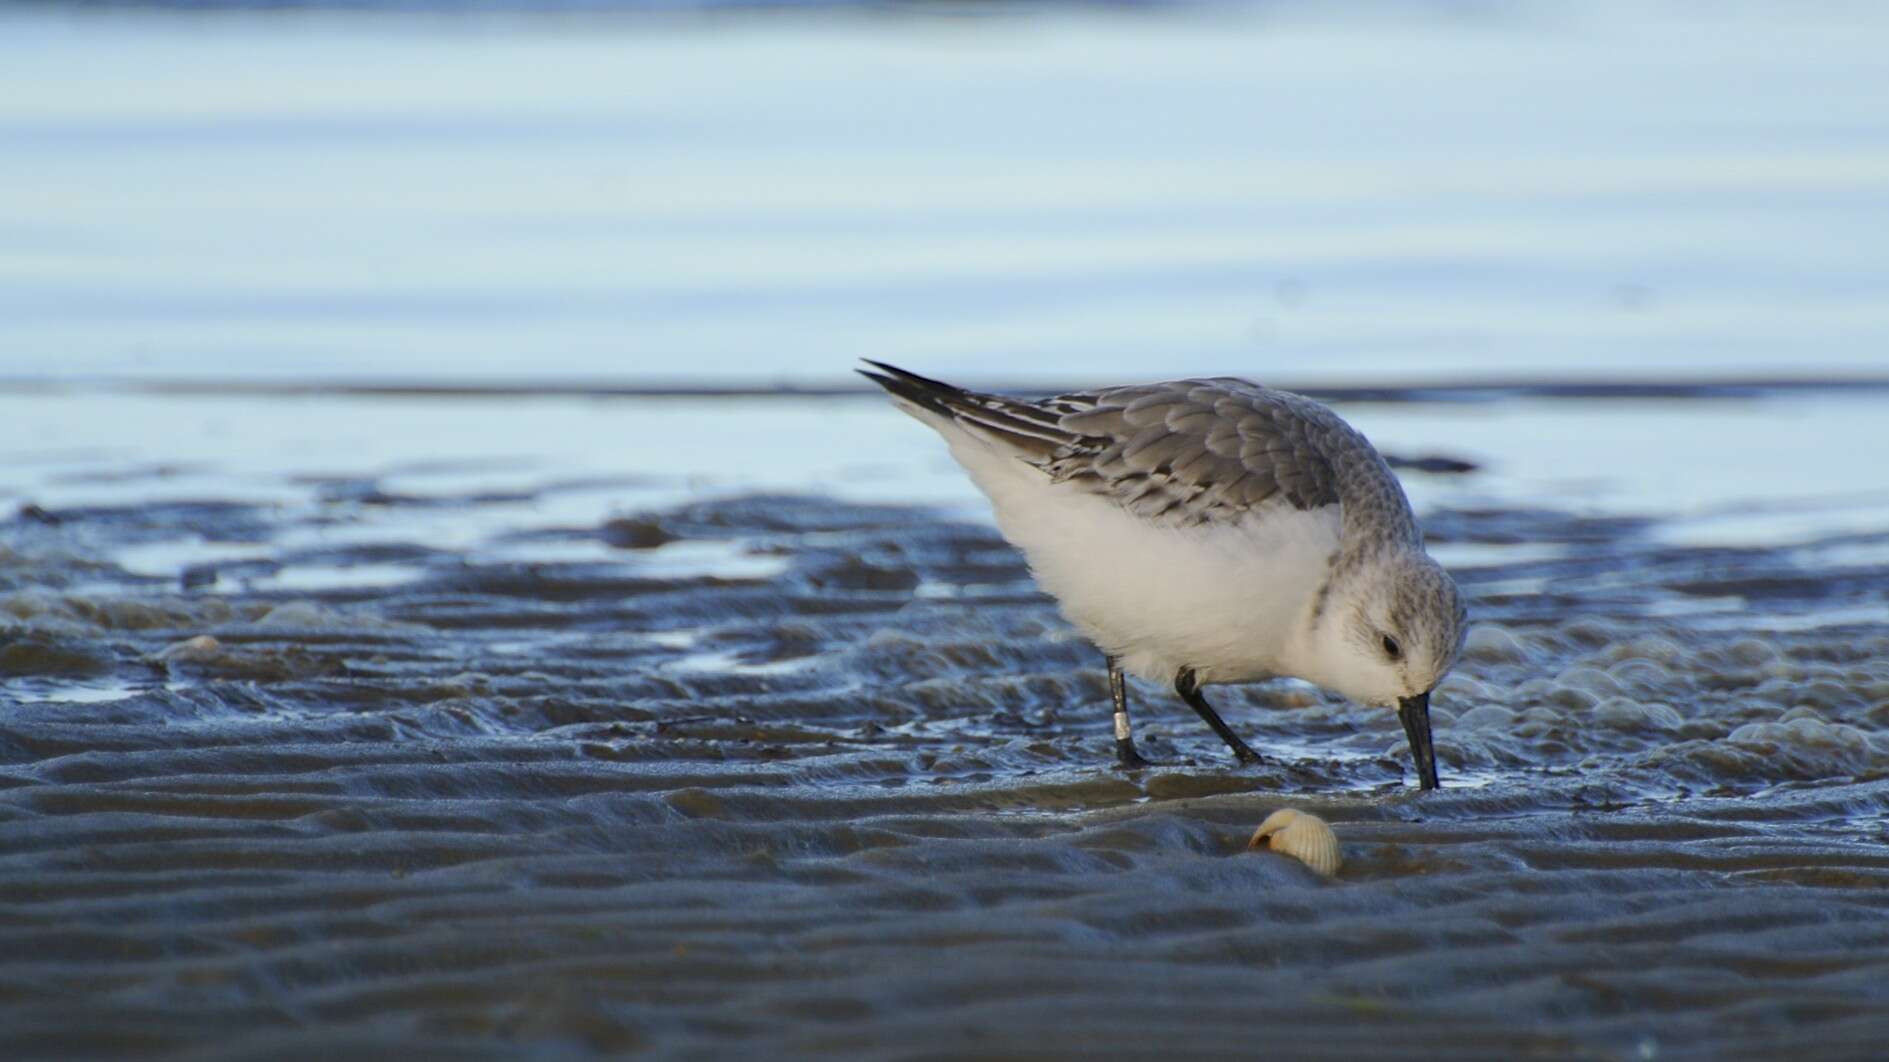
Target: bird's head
{"points": [[1388, 631]]}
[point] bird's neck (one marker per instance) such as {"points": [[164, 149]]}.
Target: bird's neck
{"points": [[1375, 512]]}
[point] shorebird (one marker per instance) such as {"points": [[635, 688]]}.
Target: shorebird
{"points": [[1212, 531]]}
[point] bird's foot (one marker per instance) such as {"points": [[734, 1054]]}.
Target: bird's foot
{"points": [[1247, 757], [1128, 758]]}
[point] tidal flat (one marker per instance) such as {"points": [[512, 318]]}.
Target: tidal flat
{"points": [[489, 727], [387, 669]]}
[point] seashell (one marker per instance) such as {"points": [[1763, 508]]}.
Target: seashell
{"points": [[1304, 837]]}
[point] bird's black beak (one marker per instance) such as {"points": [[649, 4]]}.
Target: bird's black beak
{"points": [[1415, 713]]}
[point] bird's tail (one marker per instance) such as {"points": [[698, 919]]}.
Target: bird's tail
{"points": [[1020, 425], [933, 396]]}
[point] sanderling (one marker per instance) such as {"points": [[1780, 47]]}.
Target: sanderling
{"points": [[1203, 531]]}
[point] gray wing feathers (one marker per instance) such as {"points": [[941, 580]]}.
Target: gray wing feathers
{"points": [[1197, 451], [1182, 452]]}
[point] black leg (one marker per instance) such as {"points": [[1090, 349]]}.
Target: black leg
{"points": [[1124, 741], [1190, 692]]}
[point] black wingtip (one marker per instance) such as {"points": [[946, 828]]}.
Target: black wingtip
{"points": [[934, 395], [1017, 424], [883, 379], [904, 376], [885, 373]]}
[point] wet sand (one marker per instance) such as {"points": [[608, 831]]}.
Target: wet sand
{"points": [[790, 774]]}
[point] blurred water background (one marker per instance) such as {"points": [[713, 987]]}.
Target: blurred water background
{"points": [[637, 192]]}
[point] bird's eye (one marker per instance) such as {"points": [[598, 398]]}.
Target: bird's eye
{"points": [[1391, 648]]}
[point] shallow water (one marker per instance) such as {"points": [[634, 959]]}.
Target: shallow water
{"points": [[572, 749], [542, 721]]}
